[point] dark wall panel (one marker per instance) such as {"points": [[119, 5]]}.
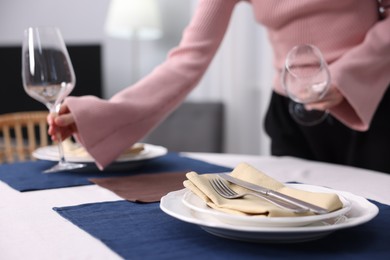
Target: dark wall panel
{"points": [[87, 64]]}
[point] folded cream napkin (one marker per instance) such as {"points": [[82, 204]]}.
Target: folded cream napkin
{"points": [[76, 150], [251, 205]]}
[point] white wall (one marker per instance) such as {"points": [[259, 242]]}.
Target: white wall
{"points": [[241, 76]]}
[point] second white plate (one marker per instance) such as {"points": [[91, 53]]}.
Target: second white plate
{"points": [[198, 205]]}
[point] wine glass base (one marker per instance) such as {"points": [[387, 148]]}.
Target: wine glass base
{"points": [[306, 117], [64, 167]]}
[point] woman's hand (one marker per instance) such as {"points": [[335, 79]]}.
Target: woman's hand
{"points": [[332, 98], [63, 124]]}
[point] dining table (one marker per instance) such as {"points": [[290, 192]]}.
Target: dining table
{"points": [[88, 221]]}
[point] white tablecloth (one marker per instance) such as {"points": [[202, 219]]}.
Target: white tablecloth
{"points": [[41, 233]]}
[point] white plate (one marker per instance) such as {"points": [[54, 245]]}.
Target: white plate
{"points": [[150, 151], [361, 212], [197, 204]]}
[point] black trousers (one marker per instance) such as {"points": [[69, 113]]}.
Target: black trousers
{"points": [[330, 141]]}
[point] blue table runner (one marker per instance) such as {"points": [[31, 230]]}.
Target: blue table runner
{"points": [[144, 231], [28, 176]]}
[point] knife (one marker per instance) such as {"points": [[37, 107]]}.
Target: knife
{"points": [[275, 194]]}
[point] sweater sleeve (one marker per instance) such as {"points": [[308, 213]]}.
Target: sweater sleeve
{"points": [[363, 75], [107, 127]]}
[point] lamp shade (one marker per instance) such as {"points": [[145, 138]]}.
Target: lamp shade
{"points": [[133, 18]]}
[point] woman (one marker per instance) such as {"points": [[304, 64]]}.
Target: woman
{"points": [[354, 41]]}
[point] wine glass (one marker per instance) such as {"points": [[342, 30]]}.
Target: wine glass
{"points": [[306, 79], [48, 76]]}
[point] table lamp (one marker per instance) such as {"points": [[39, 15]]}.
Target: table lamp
{"points": [[134, 20]]}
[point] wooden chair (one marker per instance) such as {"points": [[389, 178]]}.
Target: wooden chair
{"points": [[21, 133]]}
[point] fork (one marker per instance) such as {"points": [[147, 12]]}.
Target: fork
{"points": [[225, 191]]}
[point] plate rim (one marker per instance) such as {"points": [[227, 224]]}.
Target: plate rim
{"points": [[370, 212], [157, 149]]}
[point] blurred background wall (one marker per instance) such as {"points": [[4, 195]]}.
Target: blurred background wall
{"points": [[240, 76]]}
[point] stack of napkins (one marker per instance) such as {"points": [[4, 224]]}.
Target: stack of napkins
{"points": [[76, 150], [251, 205]]}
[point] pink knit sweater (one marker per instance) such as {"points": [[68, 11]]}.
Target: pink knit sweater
{"points": [[354, 42]]}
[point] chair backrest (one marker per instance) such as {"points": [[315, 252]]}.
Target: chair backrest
{"points": [[21, 133]]}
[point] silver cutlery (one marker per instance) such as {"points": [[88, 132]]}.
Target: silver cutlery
{"points": [[225, 191], [274, 194]]}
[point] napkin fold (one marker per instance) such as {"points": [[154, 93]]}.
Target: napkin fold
{"points": [[144, 188], [252, 205]]}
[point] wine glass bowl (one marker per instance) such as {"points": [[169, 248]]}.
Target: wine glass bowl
{"points": [[48, 75], [306, 79]]}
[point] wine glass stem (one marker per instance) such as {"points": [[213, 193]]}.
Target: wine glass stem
{"points": [[60, 149], [54, 110]]}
